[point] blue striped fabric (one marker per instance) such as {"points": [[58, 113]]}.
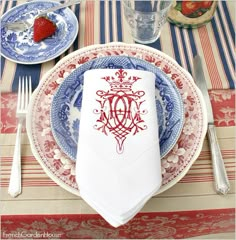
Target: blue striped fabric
{"points": [[2, 65], [185, 42], [222, 53], [175, 44], [156, 45], [181, 44], [192, 42], [226, 37], [102, 22], [110, 22], [229, 21], [77, 14], [178, 45], [185, 49], [119, 23]]}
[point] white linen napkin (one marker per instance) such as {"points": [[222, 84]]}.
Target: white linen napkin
{"points": [[118, 167]]}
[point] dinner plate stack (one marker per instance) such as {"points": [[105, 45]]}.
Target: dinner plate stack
{"points": [[53, 121]]}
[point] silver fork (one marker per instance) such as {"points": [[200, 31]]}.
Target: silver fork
{"points": [[22, 25], [24, 95]]}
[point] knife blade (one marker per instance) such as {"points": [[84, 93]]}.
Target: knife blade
{"points": [[220, 176]]}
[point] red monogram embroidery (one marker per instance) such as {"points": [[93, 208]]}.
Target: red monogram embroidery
{"points": [[120, 108]]}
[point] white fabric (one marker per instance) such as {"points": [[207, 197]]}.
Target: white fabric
{"points": [[118, 184]]}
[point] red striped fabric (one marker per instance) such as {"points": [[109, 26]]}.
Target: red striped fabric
{"points": [[209, 58]]}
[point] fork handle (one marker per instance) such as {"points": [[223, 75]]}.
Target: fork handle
{"points": [[14, 188]]}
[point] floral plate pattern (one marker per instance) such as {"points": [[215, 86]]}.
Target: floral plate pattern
{"points": [[20, 47], [61, 168], [66, 104]]}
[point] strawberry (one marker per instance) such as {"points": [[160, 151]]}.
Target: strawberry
{"points": [[43, 28], [189, 7]]}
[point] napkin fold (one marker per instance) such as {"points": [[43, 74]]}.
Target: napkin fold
{"points": [[118, 166]]}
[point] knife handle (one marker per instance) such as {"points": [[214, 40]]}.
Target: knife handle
{"points": [[221, 179]]}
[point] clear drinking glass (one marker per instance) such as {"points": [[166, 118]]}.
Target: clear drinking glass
{"points": [[146, 18]]}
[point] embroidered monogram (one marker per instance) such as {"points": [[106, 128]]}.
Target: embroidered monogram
{"points": [[120, 110]]}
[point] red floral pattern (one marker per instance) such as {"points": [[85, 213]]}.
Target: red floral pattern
{"points": [[158, 225], [223, 102], [223, 107], [8, 113]]}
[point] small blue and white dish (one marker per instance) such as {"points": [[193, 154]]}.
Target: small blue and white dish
{"points": [[66, 104], [19, 46]]}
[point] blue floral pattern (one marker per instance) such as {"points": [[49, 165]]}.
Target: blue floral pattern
{"points": [[19, 46]]}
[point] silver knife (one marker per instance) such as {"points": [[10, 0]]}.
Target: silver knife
{"points": [[221, 179]]}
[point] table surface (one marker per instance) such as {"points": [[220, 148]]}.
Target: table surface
{"points": [[188, 209]]}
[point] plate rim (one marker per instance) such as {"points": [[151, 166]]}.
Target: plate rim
{"points": [[72, 14]]}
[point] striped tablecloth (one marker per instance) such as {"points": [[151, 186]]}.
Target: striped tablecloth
{"points": [[191, 208]]}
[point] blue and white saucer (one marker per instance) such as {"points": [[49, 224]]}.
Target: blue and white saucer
{"points": [[20, 47], [66, 104]]}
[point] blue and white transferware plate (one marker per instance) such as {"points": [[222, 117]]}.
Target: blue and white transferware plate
{"points": [[66, 104], [20, 47]]}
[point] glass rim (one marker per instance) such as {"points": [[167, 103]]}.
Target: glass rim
{"points": [[124, 3]]}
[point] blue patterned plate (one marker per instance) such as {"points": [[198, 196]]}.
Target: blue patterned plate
{"points": [[20, 47], [66, 104]]}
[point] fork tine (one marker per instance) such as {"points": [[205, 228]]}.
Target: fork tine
{"points": [[19, 95], [26, 92], [22, 93], [30, 88]]}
